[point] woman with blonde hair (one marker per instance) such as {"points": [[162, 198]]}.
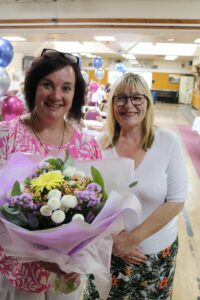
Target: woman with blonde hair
{"points": [[143, 261]]}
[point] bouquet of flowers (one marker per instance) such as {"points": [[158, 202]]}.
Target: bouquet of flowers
{"points": [[56, 193], [58, 211]]}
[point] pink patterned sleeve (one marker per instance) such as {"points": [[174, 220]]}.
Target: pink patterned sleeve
{"points": [[4, 141], [96, 150], [29, 277], [83, 147]]}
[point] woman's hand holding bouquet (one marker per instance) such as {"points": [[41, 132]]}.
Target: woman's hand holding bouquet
{"points": [[60, 214]]}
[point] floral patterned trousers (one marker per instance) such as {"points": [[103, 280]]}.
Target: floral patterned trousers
{"points": [[150, 281]]}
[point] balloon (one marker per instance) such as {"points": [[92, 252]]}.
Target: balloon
{"points": [[11, 107], [93, 87], [4, 81], [6, 52], [120, 67], [97, 62], [99, 74], [85, 76]]}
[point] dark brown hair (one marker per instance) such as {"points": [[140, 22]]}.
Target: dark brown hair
{"points": [[43, 66]]}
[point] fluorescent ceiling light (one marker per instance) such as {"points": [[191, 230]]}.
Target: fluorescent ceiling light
{"points": [[129, 56], [170, 57], [101, 38], [67, 46], [164, 49], [82, 48], [14, 38], [197, 41]]}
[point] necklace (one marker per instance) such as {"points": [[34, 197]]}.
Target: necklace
{"points": [[38, 138]]}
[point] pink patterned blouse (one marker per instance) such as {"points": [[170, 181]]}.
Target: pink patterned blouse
{"points": [[16, 137]]}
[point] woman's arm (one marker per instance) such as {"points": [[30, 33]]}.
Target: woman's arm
{"points": [[126, 243]]}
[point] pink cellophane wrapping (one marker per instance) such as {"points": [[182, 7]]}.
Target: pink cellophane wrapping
{"points": [[78, 246]]}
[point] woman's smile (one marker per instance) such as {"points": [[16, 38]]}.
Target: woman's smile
{"points": [[54, 105]]}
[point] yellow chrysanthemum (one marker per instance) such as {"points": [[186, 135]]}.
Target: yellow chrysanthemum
{"points": [[50, 180]]}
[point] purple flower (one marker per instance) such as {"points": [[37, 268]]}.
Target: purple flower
{"points": [[94, 187], [24, 200], [94, 201], [26, 197]]}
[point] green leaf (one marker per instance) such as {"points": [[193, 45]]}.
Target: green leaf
{"points": [[9, 209], [71, 286], [133, 184], [16, 189], [60, 161], [33, 221], [66, 154], [68, 163], [55, 163], [97, 177], [15, 217]]}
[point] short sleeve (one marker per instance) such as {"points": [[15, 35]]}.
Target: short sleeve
{"points": [[177, 183]]}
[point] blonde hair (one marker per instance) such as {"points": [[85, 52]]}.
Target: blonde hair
{"points": [[112, 127]]}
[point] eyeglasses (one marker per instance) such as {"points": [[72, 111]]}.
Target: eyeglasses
{"points": [[51, 52], [136, 99]]}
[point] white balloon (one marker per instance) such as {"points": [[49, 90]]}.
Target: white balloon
{"points": [[4, 81], [99, 73]]}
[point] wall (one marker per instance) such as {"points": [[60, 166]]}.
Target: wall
{"points": [[160, 81], [92, 76]]}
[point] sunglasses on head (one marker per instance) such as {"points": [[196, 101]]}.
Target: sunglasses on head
{"points": [[51, 53]]}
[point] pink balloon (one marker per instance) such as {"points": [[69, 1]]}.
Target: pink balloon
{"points": [[11, 107], [93, 87]]}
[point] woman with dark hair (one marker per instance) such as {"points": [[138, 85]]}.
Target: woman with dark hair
{"points": [[143, 261], [54, 91]]}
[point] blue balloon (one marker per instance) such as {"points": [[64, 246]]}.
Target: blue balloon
{"points": [[99, 74], [97, 62], [6, 52], [120, 67]]}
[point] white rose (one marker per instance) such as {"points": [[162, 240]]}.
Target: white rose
{"points": [[63, 208], [78, 217], [69, 201], [58, 216], [69, 171], [54, 193], [79, 173], [45, 211], [53, 203]]}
